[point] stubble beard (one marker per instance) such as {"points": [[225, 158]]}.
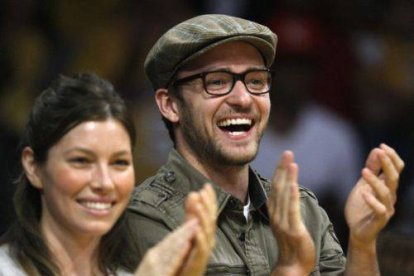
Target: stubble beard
{"points": [[208, 150]]}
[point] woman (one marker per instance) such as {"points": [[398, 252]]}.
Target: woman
{"points": [[77, 176]]}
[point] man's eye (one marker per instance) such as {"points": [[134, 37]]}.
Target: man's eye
{"points": [[256, 81], [216, 82]]}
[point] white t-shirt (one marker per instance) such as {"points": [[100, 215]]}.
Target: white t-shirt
{"points": [[246, 208], [9, 267]]}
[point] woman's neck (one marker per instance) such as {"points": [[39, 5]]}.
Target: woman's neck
{"points": [[75, 255]]}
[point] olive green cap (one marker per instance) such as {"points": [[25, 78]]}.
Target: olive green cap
{"points": [[191, 38]]}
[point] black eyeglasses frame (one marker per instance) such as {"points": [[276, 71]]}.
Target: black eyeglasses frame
{"points": [[236, 77]]}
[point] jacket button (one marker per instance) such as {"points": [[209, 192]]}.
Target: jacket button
{"points": [[169, 176]]}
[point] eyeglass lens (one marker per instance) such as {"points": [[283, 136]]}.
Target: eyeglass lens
{"points": [[222, 82]]}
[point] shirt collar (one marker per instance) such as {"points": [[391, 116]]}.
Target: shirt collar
{"points": [[193, 180]]}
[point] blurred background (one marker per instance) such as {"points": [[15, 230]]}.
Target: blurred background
{"points": [[344, 83]]}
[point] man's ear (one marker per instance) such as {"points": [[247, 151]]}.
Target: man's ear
{"points": [[167, 105], [31, 168]]}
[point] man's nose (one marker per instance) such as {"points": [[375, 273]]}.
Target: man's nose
{"points": [[239, 95]]}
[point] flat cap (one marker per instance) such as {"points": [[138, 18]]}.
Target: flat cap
{"points": [[193, 37]]}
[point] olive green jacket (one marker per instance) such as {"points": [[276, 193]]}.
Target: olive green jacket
{"points": [[242, 247]]}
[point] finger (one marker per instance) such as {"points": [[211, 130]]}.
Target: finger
{"points": [[208, 197], [199, 207], [373, 163], [396, 159], [294, 208], [381, 191], [389, 171], [182, 234], [282, 200], [196, 260], [194, 264], [278, 199], [286, 158], [190, 204], [277, 176], [377, 207], [284, 193], [277, 184], [202, 243], [174, 248], [198, 256], [207, 222]]}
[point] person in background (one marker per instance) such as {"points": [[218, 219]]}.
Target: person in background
{"points": [[212, 82], [76, 180]]}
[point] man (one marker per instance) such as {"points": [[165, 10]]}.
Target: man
{"points": [[212, 84]]}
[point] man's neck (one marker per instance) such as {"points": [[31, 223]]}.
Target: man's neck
{"points": [[232, 179]]}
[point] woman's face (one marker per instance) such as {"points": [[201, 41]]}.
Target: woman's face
{"points": [[87, 179]]}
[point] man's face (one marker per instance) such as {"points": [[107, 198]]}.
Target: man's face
{"points": [[222, 130]]}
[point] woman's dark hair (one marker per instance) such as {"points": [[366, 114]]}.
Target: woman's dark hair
{"points": [[68, 102]]}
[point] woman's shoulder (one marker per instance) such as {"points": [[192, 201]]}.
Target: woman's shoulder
{"points": [[8, 266]]}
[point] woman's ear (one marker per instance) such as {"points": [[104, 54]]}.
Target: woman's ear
{"points": [[31, 168], [167, 105]]}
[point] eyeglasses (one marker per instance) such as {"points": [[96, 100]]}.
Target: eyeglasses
{"points": [[219, 83]]}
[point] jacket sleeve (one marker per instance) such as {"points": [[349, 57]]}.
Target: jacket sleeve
{"points": [[144, 232], [330, 256], [150, 217]]}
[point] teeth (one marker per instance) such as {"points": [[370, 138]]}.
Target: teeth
{"points": [[235, 133], [97, 205], [239, 121]]}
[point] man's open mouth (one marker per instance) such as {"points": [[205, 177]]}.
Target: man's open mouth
{"points": [[236, 126]]}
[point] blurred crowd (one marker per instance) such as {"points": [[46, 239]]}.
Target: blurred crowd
{"points": [[344, 81]]}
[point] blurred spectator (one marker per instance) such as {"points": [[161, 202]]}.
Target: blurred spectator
{"points": [[405, 221], [8, 161], [23, 55], [396, 254], [249, 9], [384, 83]]}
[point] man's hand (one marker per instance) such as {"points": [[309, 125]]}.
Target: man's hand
{"points": [[297, 250], [203, 207], [371, 203], [168, 256], [370, 206]]}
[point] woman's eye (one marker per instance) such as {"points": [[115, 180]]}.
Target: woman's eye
{"points": [[122, 162], [79, 160]]}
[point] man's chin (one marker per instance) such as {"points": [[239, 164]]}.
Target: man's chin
{"points": [[238, 159]]}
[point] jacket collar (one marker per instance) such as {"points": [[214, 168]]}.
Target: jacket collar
{"points": [[192, 180]]}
